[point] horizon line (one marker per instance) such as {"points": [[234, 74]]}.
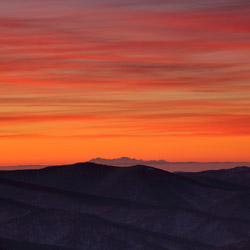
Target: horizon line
{"points": [[155, 161]]}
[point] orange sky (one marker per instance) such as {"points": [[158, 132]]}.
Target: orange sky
{"points": [[146, 79]]}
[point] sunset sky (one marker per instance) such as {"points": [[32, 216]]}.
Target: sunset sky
{"points": [[151, 79]]}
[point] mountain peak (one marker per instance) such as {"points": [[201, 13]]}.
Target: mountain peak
{"points": [[126, 161]]}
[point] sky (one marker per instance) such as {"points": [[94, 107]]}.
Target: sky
{"points": [[150, 79]]}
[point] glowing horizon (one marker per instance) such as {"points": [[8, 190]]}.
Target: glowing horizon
{"points": [[146, 79]]}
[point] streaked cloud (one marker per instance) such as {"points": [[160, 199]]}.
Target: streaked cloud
{"points": [[141, 70]]}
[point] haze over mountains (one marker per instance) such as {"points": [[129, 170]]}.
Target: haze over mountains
{"points": [[88, 206], [191, 166], [170, 166]]}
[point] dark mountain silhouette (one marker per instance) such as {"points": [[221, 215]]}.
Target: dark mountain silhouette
{"points": [[237, 175], [242, 245], [20, 245], [96, 207]]}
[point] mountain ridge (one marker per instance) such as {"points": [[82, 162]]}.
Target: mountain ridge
{"points": [[130, 208]]}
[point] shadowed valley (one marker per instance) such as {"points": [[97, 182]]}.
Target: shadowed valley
{"points": [[88, 206]]}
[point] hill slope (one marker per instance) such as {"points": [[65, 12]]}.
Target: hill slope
{"points": [[91, 206]]}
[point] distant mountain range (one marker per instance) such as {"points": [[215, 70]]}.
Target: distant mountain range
{"points": [[126, 161], [89, 206], [170, 166], [162, 164]]}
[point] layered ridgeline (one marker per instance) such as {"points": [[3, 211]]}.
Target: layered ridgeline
{"points": [[87, 206]]}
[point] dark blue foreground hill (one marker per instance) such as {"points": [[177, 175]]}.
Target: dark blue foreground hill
{"points": [[86, 206]]}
